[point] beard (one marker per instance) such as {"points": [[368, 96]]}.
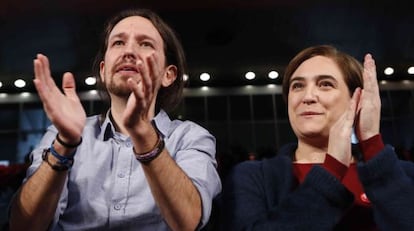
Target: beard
{"points": [[119, 88]]}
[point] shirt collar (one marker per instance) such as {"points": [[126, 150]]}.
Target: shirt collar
{"points": [[162, 121]]}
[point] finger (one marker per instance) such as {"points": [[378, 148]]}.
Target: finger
{"points": [[44, 71], [136, 88], [370, 74], [45, 64], [153, 67], [39, 81], [354, 106], [145, 75], [40, 89]]}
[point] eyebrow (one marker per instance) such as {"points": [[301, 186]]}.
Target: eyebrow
{"points": [[123, 35], [318, 78]]}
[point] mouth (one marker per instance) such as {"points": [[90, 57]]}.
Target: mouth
{"points": [[126, 68], [309, 113]]}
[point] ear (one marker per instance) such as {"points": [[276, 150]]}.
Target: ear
{"points": [[169, 76], [101, 71]]}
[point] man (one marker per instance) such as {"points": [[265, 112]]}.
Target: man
{"points": [[135, 169]]}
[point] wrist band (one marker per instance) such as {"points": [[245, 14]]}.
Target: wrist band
{"points": [[66, 145], [151, 155], [64, 163]]}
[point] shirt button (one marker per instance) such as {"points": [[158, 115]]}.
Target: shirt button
{"points": [[121, 175], [117, 206], [128, 144], [364, 198]]}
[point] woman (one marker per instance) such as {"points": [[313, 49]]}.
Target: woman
{"points": [[323, 182]]}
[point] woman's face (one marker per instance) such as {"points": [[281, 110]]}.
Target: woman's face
{"points": [[318, 95]]}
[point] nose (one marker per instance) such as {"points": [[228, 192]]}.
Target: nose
{"points": [[310, 96], [129, 53]]}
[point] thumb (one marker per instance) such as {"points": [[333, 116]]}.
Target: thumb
{"points": [[69, 85]]}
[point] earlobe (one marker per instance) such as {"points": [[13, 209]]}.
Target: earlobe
{"points": [[101, 71], [169, 76]]}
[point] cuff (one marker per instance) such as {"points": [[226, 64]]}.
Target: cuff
{"points": [[334, 167], [371, 146]]}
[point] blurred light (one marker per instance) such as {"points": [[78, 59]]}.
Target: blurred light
{"points": [[185, 77], [389, 71], [204, 88], [93, 92], [271, 86], [1, 84], [205, 77], [25, 94], [19, 83], [3, 95], [410, 70], [273, 74], [90, 80], [250, 75], [383, 82]]}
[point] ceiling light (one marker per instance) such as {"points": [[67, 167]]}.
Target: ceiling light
{"points": [[204, 77], [90, 80], [1, 84], [19, 83], [250, 75], [410, 70], [25, 94], [389, 71], [273, 74], [185, 77]]}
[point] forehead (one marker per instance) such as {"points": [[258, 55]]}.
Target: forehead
{"points": [[136, 26], [317, 66]]}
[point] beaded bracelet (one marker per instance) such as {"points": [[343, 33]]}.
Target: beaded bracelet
{"points": [[156, 151]]}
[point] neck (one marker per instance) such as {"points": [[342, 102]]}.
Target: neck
{"points": [[306, 153]]}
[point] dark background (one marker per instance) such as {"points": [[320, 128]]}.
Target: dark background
{"points": [[224, 37]]}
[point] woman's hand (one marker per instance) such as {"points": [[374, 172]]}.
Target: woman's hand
{"points": [[340, 133], [369, 106]]}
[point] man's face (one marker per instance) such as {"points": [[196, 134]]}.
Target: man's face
{"points": [[130, 42]]}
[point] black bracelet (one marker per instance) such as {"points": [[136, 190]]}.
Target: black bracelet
{"points": [[66, 145]]}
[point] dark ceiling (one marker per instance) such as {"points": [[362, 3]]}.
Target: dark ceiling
{"points": [[224, 37]]}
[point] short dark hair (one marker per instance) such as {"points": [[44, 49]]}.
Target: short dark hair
{"points": [[350, 67], [168, 97]]}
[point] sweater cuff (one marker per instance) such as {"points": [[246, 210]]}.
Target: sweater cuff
{"points": [[334, 167], [371, 146]]}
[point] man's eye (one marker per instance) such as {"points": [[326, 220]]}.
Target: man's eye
{"points": [[117, 43], [146, 44]]}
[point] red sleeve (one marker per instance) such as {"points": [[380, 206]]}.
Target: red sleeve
{"points": [[371, 146], [334, 167]]}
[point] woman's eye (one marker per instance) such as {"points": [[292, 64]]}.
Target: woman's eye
{"points": [[296, 85], [326, 84]]}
